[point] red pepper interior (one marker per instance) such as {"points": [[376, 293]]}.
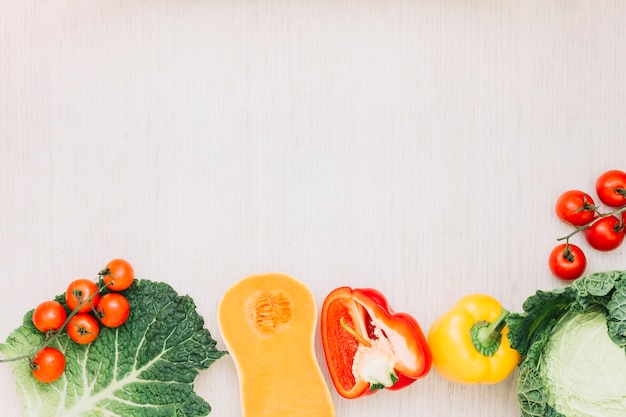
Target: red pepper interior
{"points": [[341, 344], [369, 326]]}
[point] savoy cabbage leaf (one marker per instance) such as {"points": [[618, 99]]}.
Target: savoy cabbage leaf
{"points": [[145, 368]]}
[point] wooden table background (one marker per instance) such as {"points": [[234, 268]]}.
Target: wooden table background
{"points": [[414, 146]]}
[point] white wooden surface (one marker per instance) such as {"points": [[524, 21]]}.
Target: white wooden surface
{"points": [[413, 146]]}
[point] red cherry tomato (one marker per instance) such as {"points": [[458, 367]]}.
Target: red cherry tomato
{"points": [[118, 275], [83, 328], [567, 262], [79, 291], [49, 316], [48, 365], [605, 234], [611, 188], [113, 310], [575, 207]]}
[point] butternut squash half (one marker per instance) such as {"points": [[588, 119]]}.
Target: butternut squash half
{"points": [[268, 325]]}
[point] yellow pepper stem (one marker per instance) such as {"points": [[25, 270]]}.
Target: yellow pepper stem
{"points": [[486, 336]]}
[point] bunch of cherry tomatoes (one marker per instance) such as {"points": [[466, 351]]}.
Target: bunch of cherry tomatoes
{"points": [[603, 231], [90, 305]]}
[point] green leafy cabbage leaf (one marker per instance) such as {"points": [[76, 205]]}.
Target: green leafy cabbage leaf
{"points": [[145, 368], [559, 335]]}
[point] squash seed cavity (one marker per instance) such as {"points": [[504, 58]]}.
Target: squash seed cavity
{"points": [[269, 313]]}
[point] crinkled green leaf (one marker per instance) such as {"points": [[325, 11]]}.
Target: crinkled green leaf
{"points": [[616, 315], [530, 394], [599, 284], [145, 368], [540, 310]]}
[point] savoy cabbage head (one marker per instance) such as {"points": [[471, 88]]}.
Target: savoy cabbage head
{"points": [[572, 341], [145, 368]]}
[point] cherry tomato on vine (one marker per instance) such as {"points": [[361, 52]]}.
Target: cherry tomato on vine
{"points": [[79, 291], [113, 310], [49, 316], [605, 234], [611, 188], [567, 261], [575, 207], [48, 365], [118, 275], [83, 328]]}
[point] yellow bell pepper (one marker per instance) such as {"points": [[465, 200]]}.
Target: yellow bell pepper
{"points": [[469, 343]]}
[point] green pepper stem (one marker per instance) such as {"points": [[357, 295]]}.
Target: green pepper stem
{"points": [[487, 336]]}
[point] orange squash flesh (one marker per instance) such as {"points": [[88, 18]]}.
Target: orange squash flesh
{"points": [[268, 325]]}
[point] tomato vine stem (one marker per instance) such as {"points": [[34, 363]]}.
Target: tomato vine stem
{"points": [[600, 215]]}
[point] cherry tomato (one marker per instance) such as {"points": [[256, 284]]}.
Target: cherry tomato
{"points": [[113, 310], [605, 234], [611, 188], [79, 291], [83, 328], [567, 261], [48, 365], [118, 275], [575, 207], [49, 316]]}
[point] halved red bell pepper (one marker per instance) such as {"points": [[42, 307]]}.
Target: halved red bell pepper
{"points": [[368, 346]]}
